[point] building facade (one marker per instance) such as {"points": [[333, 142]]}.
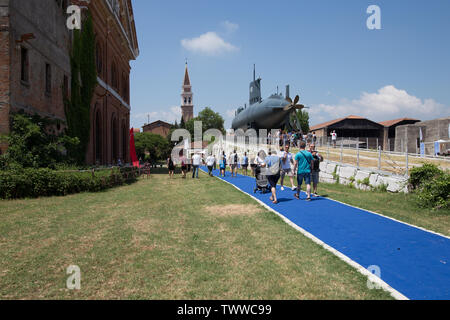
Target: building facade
{"points": [[116, 46], [158, 127], [187, 98], [35, 73], [34, 60]]}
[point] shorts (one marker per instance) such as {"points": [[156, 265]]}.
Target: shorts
{"points": [[273, 180], [303, 176], [233, 166], [245, 166], [287, 172], [315, 177], [184, 168], [210, 168]]}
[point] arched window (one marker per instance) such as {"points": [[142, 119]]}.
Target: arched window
{"points": [[99, 58], [125, 87], [98, 137], [114, 139], [124, 142], [114, 76]]}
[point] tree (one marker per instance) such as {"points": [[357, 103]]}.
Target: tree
{"points": [[158, 147], [209, 119], [32, 145], [303, 116]]}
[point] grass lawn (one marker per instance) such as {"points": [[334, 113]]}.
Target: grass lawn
{"points": [[165, 239]]}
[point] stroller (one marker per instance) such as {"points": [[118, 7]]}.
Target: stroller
{"points": [[262, 184]]}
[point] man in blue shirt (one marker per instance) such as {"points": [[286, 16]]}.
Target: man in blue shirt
{"points": [[303, 164]]}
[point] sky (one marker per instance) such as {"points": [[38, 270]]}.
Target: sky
{"points": [[322, 49]]}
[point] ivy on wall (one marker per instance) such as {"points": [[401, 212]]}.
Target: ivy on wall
{"points": [[84, 80]]}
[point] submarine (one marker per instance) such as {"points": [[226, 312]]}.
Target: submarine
{"points": [[274, 112]]}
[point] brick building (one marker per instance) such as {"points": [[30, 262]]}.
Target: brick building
{"points": [[34, 60], [158, 127], [35, 67]]}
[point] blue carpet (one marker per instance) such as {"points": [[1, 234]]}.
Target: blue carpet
{"points": [[413, 261]]}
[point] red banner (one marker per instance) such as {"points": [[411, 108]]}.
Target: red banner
{"points": [[133, 156]]}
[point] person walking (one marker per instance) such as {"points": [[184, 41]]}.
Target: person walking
{"points": [[303, 163], [184, 166], [315, 169], [210, 161], [286, 168], [222, 166], [170, 166], [272, 164], [244, 163], [233, 163], [196, 162]]}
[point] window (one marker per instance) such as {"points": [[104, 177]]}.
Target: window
{"points": [[66, 87], [24, 75], [48, 79], [114, 79], [98, 58]]}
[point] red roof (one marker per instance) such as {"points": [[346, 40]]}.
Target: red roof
{"points": [[390, 123], [329, 123]]}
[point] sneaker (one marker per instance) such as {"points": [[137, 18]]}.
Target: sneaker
{"points": [[294, 188], [282, 188]]}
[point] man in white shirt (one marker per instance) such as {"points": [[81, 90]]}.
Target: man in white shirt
{"points": [[210, 164], [233, 163], [196, 163], [286, 169], [334, 138]]}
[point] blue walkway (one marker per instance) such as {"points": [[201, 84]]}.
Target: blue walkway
{"points": [[413, 261]]}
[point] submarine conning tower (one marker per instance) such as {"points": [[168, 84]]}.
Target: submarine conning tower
{"points": [[255, 89]]}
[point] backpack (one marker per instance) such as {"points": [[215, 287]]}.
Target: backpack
{"points": [[235, 158], [316, 164]]}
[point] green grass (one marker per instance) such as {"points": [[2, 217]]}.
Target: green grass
{"points": [[165, 239]]}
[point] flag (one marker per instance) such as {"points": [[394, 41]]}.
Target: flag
{"points": [[133, 156]]}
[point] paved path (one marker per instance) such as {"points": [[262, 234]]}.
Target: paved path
{"points": [[413, 261]]}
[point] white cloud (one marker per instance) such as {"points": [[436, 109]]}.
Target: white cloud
{"points": [[170, 115], [209, 43], [386, 104], [230, 27]]}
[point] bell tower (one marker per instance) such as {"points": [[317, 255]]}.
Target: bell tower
{"points": [[187, 98]]}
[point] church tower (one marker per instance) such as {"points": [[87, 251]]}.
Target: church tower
{"points": [[187, 101]]}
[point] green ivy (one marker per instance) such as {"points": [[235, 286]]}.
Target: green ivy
{"points": [[84, 80]]}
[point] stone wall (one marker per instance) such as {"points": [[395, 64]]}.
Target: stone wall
{"points": [[361, 179]]}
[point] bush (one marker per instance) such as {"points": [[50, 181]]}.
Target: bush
{"points": [[424, 174], [432, 186], [435, 193], [32, 183]]}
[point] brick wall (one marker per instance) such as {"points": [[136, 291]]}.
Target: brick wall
{"points": [[4, 71]]}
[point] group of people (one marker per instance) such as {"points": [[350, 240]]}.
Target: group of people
{"points": [[291, 138], [305, 166]]}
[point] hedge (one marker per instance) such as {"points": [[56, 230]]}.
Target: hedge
{"points": [[33, 183], [432, 186]]}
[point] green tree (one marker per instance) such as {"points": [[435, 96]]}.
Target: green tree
{"points": [[209, 119], [32, 145], [303, 117], [158, 147]]}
